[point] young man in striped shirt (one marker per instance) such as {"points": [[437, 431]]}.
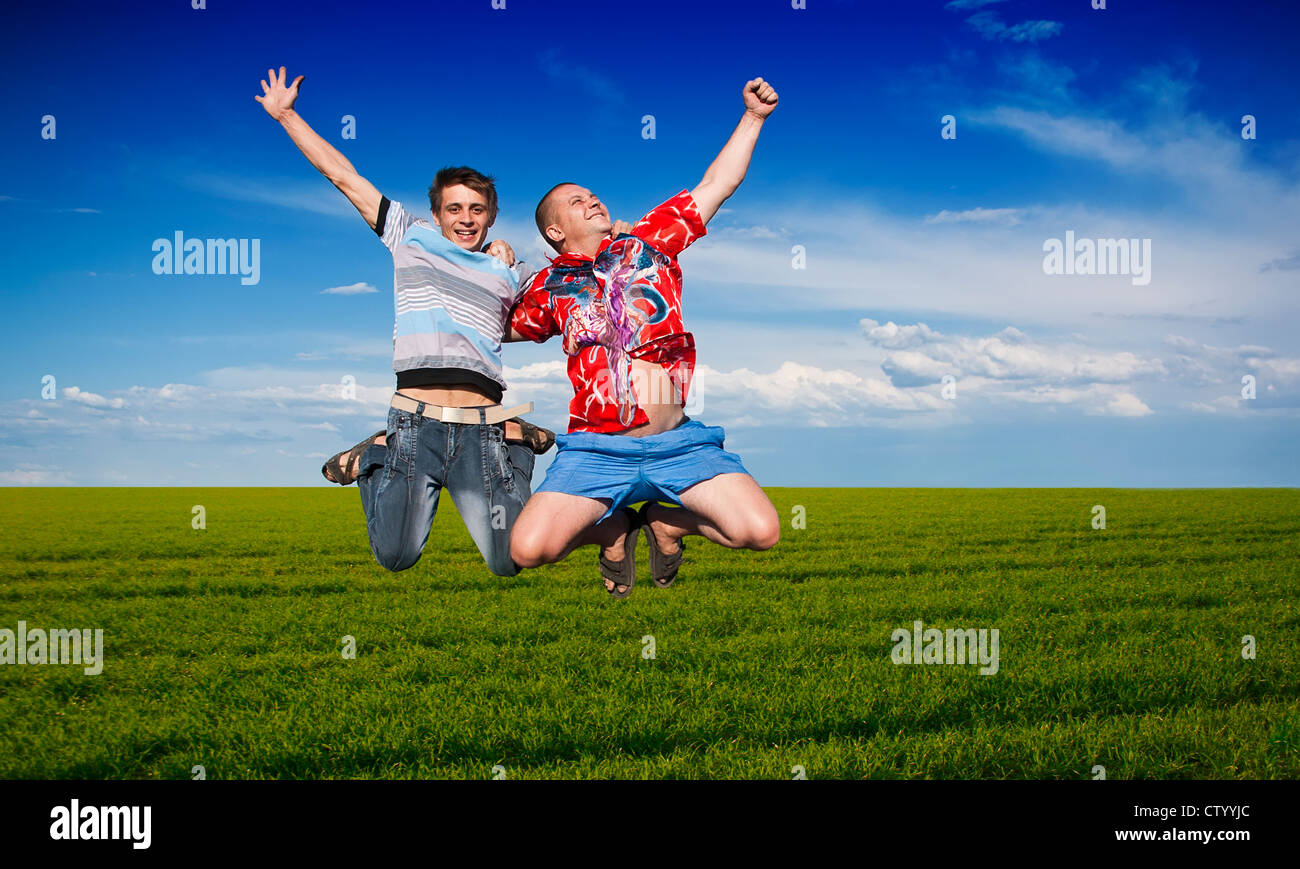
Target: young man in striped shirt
{"points": [[446, 426]]}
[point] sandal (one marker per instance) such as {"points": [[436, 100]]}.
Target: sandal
{"points": [[663, 566], [343, 473], [538, 439], [623, 572]]}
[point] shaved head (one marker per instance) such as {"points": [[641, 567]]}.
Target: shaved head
{"points": [[545, 211], [573, 219]]}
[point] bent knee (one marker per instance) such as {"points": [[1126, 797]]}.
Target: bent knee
{"points": [[531, 550], [524, 557], [396, 561], [762, 532], [500, 568]]}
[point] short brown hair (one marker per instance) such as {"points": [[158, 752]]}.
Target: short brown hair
{"points": [[450, 176], [543, 214]]}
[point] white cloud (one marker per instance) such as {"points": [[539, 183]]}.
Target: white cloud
{"points": [[1173, 141], [350, 289], [802, 396], [1126, 404], [894, 336], [1286, 264], [34, 475], [1198, 363], [566, 75], [296, 194], [537, 371], [1097, 399], [920, 355], [989, 25], [90, 399], [760, 232], [1007, 216], [268, 423], [993, 269]]}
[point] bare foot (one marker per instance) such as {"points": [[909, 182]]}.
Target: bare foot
{"points": [[663, 532], [538, 439], [356, 463]]}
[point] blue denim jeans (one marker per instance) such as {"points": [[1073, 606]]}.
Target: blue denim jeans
{"points": [[400, 483]]}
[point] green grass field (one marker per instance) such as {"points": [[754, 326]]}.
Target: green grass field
{"points": [[1119, 647]]}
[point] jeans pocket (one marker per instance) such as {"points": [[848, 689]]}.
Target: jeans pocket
{"points": [[402, 432], [499, 457]]}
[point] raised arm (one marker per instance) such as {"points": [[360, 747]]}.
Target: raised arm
{"points": [[278, 101], [729, 167]]}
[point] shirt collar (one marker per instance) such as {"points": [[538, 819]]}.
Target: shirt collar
{"points": [[571, 259]]}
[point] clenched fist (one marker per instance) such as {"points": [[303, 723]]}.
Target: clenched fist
{"points": [[501, 251], [760, 98]]}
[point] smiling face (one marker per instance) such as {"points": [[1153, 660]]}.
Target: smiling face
{"points": [[463, 216], [576, 220]]}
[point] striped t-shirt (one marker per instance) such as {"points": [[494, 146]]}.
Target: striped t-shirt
{"points": [[452, 305]]}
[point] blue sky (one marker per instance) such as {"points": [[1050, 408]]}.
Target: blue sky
{"points": [[923, 254]]}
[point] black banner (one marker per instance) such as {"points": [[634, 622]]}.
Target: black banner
{"points": [[139, 819]]}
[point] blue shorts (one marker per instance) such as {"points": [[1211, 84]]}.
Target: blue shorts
{"points": [[628, 469]]}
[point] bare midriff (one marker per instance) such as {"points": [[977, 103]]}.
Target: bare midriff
{"points": [[447, 396], [658, 396], [654, 390]]}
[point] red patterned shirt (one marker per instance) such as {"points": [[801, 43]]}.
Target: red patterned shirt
{"points": [[625, 304]]}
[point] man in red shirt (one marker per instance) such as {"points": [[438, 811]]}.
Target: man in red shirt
{"points": [[616, 300]]}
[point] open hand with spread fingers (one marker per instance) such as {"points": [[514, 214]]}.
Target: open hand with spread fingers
{"points": [[276, 97]]}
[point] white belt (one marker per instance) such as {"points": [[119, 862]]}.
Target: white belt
{"points": [[463, 415]]}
